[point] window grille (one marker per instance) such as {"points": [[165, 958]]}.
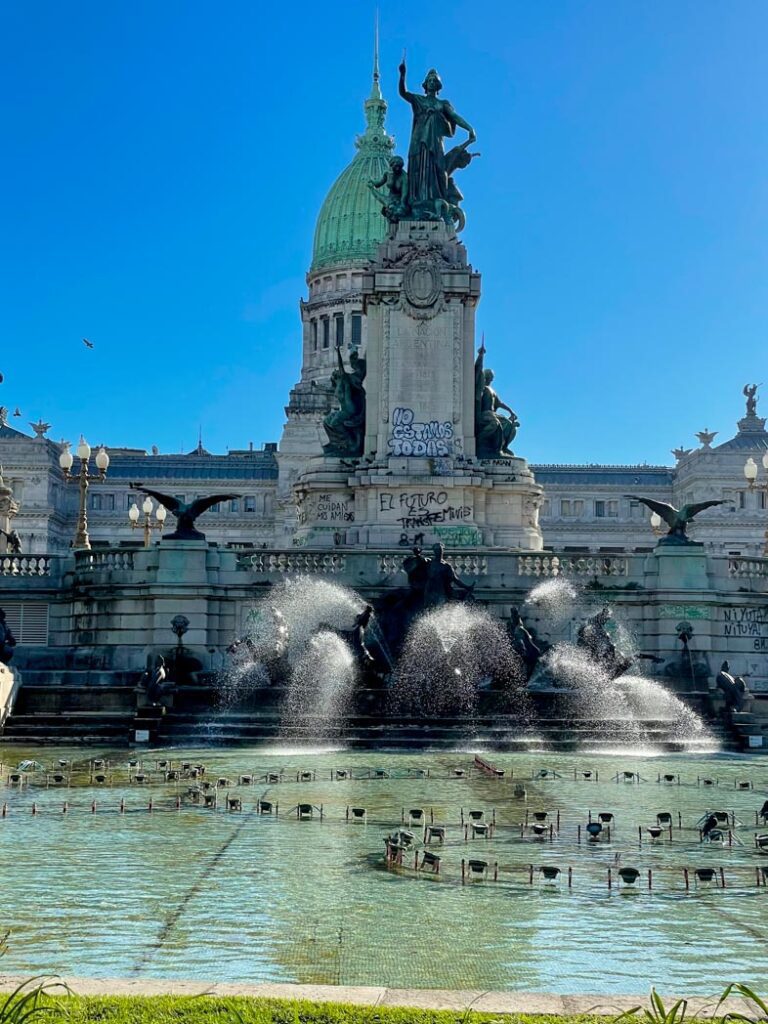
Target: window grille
{"points": [[28, 621]]}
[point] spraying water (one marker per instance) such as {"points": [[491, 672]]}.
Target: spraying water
{"points": [[450, 655], [319, 696]]}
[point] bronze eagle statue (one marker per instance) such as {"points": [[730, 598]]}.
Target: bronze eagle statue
{"points": [[185, 514], [677, 519]]}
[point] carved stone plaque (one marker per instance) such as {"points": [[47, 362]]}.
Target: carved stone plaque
{"points": [[422, 283]]}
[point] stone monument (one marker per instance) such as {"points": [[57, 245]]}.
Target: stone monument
{"points": [[433, 461]]}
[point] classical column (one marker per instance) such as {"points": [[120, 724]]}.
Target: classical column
{"points": [[8, 509]]}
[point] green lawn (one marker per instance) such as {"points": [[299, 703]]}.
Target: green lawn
{"points": [[216, 1010]]}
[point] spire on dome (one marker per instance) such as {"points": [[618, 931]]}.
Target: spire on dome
{"points": [[375, 105], [350, 225], [376, 88]]}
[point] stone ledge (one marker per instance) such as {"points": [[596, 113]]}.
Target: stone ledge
{"points": [[360, 995]]}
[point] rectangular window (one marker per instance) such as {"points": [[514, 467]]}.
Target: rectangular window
{"points": [[357, 330], [545, 508], [28, 621], [326, 332], [313, 334], [636, 510], [742, 499], [571, 507], [605, 509], [762, 499], [102, 502], [249, 503], [339, 331], [234, 505]]}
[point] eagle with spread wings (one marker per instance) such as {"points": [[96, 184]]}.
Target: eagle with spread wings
{"points": [[677, 519], [185, 514]]}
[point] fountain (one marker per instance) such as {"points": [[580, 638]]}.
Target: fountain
{"points": [[584, 678]]}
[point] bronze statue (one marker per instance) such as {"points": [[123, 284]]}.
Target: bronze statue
{"points": [[185, 514], [13, 541], [493, 433], [440, 579], [523, 643], [428, 170], [676, 519], [394, 203], [7, 640], [345, 426], [750, 393]]}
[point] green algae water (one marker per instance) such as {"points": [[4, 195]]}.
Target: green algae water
{"points": [[212, 894]]}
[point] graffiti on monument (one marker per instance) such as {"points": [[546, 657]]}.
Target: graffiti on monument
{"points": [[683, 611], [459, 536], [415, 510], [334, 510], [747, 623], [411, 437]]}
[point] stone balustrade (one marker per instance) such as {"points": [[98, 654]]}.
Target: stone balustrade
{"points": [[109, 559], [748, 568], [544, 566], [286, 562], [26, 565], [463, 565]]}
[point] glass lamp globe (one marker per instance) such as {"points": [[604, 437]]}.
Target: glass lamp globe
{"points": [[133, 513], [750, 470], [161, 513], [765, 461], [147, 507], [102, 459], [83, 449], [66, 459], [655, 520]]}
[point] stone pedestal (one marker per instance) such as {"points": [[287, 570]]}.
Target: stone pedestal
{"points": [[680, 567], [419, 481]]}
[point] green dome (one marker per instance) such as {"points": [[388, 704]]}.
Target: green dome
{"points": [[350, 224]]}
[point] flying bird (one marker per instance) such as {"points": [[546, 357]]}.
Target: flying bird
{"points": [[677, 519], [185, 514], [17, 412], [88, 344]]}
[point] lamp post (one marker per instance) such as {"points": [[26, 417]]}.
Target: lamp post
{"points": [[750, 472], [148, 524], [84, 478]]}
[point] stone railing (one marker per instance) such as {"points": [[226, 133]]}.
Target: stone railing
{"points": [[567, 565], [748, 568], [464, 565], [119, 559], [25, 565], [285, 562]]}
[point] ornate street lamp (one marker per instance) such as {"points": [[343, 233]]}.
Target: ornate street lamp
{"points": [[84, 478], [148, 524], [750, 472], [656, 524]]}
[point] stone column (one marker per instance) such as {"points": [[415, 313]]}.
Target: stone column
{"points": [[8, 509]]}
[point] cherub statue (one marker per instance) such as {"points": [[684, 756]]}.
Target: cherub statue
{"points": [[394, 203]]}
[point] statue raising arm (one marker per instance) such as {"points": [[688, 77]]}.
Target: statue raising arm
{"points": [[401, 87]]}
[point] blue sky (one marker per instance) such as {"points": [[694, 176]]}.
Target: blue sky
{"points": [[163, 165]]}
